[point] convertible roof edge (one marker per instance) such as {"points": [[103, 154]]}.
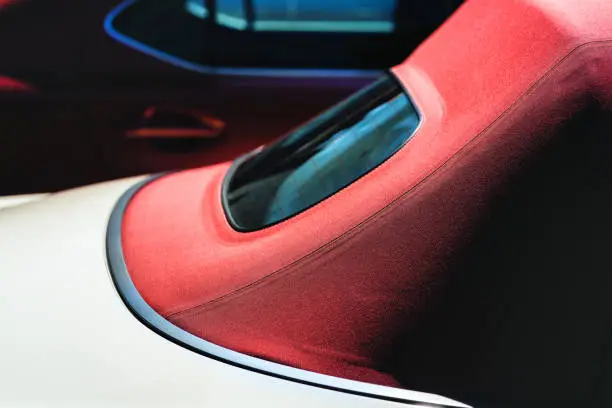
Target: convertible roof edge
{"points": [[150, 318]]}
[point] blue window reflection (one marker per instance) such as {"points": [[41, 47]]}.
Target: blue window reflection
{"points": [[231, 13], [322, 157], [197, 8], [374, 16]]}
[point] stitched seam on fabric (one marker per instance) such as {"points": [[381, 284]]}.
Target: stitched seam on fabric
{"points": [[380, 214]]}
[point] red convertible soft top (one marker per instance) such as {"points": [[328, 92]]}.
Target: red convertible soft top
{"points": [[336, 288]]}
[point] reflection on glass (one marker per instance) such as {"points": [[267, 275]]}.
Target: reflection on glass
{"points": [[322, 157], [231, 13], [197, 8], [304, 15]]}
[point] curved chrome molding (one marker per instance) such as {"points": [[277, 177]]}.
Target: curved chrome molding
{"points": [[150, 318]]}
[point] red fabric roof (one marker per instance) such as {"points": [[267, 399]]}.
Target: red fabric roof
{"points": [[335, 288]]}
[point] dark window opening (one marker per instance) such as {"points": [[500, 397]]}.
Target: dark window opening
{"points": [[278, 34], [301, 15], [321, 157]]}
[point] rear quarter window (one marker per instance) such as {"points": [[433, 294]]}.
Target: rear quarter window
{"points": [[320, 158]]}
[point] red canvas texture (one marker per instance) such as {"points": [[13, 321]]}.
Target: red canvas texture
{"points": [[335, 288]]}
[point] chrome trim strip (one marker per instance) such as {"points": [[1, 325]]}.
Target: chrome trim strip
{"points": [[150, 318]]}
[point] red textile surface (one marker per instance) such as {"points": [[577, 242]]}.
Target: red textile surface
{"points": [[334, 288]]}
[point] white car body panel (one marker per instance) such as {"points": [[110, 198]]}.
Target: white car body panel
{"points": [[14, 201], [68, 340]]}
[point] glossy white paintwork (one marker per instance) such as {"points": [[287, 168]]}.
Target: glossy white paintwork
{"points": [[67, 340], [15, 200]]}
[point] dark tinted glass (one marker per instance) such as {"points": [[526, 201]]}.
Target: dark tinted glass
{"points": [[321, 157], [359, 16], [210, 36]]}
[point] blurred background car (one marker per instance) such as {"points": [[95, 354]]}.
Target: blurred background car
{"points": [[77, 77]]}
